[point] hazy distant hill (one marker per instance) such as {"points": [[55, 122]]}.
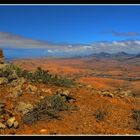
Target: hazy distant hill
{"points": [[112, 55], [138, 55]]}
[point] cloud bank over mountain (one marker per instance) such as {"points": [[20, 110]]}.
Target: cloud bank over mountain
{"points": [[10, 40]]}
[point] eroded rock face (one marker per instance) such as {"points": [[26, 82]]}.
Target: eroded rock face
{"points": [[1, 56]]}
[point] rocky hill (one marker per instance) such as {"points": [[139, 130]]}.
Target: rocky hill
{"points": [[1, 56]]}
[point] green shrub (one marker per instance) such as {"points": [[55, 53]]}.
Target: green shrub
{"points": [[45, 77], [40, 76]]}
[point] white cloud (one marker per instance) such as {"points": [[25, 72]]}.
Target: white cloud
{"points": [[50, 51], [15, 41], [137, 42], [88, 47], [69, 46]]}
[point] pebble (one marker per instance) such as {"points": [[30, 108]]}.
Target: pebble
{"points": [[2, 126], [47, 91], [16, 124], [43, 130], [66, 92], [10, 121], [42, 97]]}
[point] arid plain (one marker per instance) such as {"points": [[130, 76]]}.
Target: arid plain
{"points": [[107, 93]]}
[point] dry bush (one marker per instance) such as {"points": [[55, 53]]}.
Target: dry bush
{"points": [[100, 114], [48, 108]]}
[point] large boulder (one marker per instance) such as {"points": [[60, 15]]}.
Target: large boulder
{"points": [[1, 57]]}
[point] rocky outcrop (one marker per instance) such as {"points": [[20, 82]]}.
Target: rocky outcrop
{"points": [[1, 57]]}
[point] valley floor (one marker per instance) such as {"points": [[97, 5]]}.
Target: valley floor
{"points": [[107, 94]]}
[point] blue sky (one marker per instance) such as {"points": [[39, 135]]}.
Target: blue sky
{"points": [[32, 26], [73, 24]]}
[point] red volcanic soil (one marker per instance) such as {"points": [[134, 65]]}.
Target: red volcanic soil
{"points": [[118, 118], [82, 66], [103, 83], [100, 73]]}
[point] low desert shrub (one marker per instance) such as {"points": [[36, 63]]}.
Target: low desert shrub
{"points": [[40, 76], [48, 108], [100, 115]]}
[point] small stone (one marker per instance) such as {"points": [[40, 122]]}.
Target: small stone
{"points": [[16, 124], [3, 80], [1, 116], [31, 88], [2, 126], [43, 130], [66, 92], [42, 97], [80, 85], [119, 89], [10, 122], [2, 104], [108, 94], [47, 91], [59, 91], [89, 86], [16, 92]]}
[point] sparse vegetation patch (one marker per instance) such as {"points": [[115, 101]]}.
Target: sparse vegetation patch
{"points": [[100, 115], [41, 76], [49, 107]]}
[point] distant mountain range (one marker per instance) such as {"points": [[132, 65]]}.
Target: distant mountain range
{"points": [[109, 55], [39, 53]]}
